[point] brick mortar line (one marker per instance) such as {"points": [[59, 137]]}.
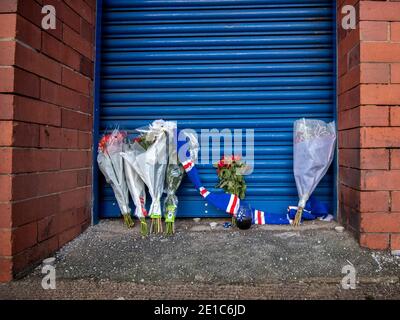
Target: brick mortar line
{"points": [[52, 126], [16, 66], [44, 172], [93, 10], [46, 149], [45, 196], [12, 229], [67, 45], [24, 44]]}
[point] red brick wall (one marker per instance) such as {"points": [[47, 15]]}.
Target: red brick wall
{"points": [[46, 109], [369, 124]]}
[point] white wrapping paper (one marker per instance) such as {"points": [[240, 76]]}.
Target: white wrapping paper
{"points": [[136, 186], [151, 164]]}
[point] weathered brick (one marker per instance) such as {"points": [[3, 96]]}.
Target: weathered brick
{"points": [[7, 83], [395, 241], [82, 8], [350, 99], [8, 25], [86, 67], [75, 81], [26, 83], [396, 201], [395, 159], [377, 241], [364, 158], [349, 80], [379, 10], [24, 237], [5, 160], [5, 215], [6, 107], [28, 33], [52, 137], [75, 41], [350, 177], [35, 254], [47, 227], [349, 138], [87, 31], [375, 73], [84, 140], [74, 199], [374, 201], [75, 120], [36, 111], [380, 180], [380, 137], [5, 264], [5, 188], [374, 159], [68, 235], [25, 134], [75, 159], [62, 53], [395, 31], [6, 128], [395, 73], [374, 30], [33, 160], [84, 177], [66, 14], [7, 54], [37, 63], [380, 222], [5, 242], [91, 3], [32, 11], [379, 51], [395, 116], [35, 209], [8, 6], [40, 184], [62, 96], [364, 116]]}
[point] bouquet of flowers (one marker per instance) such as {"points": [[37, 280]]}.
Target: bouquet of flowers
{"points": [[173, 180], [230, 170], [313, 151], [111, 165], [137, 190], [150, 160]]}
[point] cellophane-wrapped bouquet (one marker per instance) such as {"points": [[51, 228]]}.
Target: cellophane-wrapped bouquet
{"points": [[137, 190], [111, 164], [148, 157], [173, 180], [313, 151]]}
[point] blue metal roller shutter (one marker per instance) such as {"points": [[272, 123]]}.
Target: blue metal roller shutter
{"points": [[221, 64]]}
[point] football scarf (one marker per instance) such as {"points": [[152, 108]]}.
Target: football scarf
{"points": [[231, 203]]}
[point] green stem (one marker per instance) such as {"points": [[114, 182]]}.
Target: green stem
{"points": [[169, 228], [128, 220], [143, 227]]}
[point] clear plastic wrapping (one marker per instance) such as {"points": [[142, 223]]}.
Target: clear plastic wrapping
{"points": [[314, 149], [148, 157], [111, 165]]}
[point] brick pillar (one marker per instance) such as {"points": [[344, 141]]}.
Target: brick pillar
{"points": [[369, 124], [46, 107]]}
